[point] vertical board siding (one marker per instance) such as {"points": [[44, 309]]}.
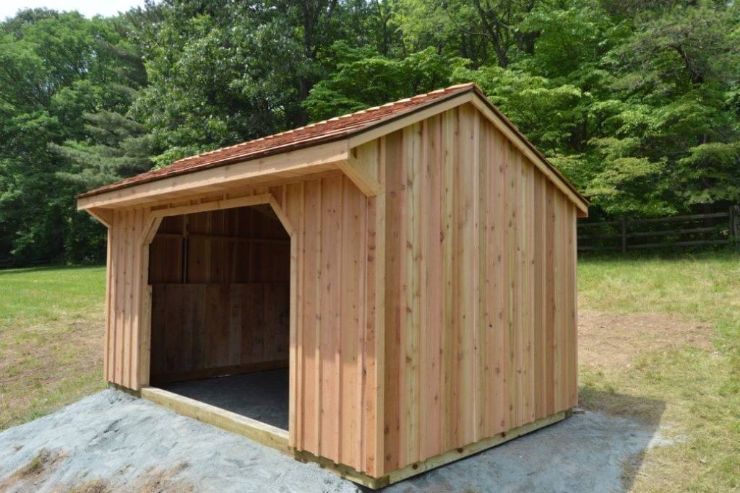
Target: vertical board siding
{"points": [[431, 345], [199, 329], [240, 245], [395, 248], [336, 343], [126, 268], [480, 286], [227, 263], [310, 365], [352, 314], [439, 312], [330, 300]]}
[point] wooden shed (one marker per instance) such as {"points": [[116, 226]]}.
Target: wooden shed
{"points": [[400, 280]]}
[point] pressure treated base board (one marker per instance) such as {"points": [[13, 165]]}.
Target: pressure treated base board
{"points": [[473, 448], [263, 433], [433, 462]]}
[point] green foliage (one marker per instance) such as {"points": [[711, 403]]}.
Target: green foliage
{"points": [[524, 98], [54, 70], [115, 146], [571, 40], [709, 173], [636, 102], [639, 111], [384, 79], [233, 71]]}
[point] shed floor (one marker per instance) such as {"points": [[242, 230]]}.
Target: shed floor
{"points": [[260, 395]]}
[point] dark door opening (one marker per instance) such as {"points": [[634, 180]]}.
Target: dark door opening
{"points": [[220, 310]]}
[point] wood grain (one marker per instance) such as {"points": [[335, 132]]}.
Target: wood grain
{"points": [[480, 287]]}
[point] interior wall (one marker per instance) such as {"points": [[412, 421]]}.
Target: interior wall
{"points": [[220, 294], [480, 289]]}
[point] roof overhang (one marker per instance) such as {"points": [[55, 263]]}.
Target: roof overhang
{"points": [[313, 158]]}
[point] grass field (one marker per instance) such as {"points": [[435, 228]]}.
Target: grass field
{"points": [[51, 333], [688, 380], [659, 341]]}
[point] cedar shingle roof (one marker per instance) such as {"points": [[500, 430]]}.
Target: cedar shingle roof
{"points": [[315, 133]]}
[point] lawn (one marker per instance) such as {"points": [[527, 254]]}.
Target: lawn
{"points": [[683, 333], [51, 333], [658, 342]]}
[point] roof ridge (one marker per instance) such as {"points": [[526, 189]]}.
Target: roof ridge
{"points": [[324, 122]]}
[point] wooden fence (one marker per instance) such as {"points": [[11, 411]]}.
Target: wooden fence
{"points": [[623, 234], [716, 228]]}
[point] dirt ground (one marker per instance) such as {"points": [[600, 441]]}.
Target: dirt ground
{"points": [[615, 340]]}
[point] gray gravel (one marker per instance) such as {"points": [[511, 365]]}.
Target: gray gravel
{"points": [[116, 441]]}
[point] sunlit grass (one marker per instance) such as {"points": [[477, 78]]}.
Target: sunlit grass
{"points": [[704, 287], [51, 330], [46, 294]]}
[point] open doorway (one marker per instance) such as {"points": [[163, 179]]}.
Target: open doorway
{"points": [[220, 311]]}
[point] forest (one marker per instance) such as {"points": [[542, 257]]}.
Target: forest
{"points": [[635, 101]]}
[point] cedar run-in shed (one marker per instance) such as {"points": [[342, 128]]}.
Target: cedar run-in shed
{"points": [[410, 269]]}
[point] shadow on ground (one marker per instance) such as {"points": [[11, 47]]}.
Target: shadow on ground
{"points": [[638, 409], [111, 441]]}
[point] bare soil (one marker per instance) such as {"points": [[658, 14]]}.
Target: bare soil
{"points": [[606, 443], [616, 339], [155, 480]]}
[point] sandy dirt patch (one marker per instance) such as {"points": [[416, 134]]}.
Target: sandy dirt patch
{"points": [[111, 442], [35, 473], [614, 340]]}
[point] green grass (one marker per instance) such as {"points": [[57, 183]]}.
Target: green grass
{"points": [[47, 294], [692, 394], [51, 332], [705, 287]]}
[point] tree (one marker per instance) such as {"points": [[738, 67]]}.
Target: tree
{"points": [[384, 79], [679, 70], [54, 68]]}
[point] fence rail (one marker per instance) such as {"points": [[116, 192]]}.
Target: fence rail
{"points": [[688, 230]]}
